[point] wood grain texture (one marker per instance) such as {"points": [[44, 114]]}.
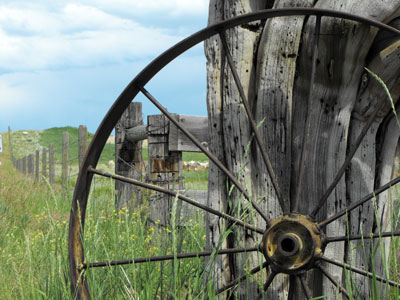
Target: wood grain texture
{"points": [[362, 176], [276, 69], [273, 62], [197, 125], [165, 169], [128, 158]]}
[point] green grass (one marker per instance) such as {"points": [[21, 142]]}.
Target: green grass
{"points": [[54, 135], [33, 244]]}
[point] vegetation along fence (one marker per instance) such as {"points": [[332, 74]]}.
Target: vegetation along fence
{"points": [[162, 164], [57, 162]]}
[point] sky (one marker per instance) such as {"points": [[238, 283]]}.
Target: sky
{"points": [[63, 63]]}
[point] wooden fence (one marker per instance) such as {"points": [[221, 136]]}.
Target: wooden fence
{"points": [[164, 168], [41, 165]]}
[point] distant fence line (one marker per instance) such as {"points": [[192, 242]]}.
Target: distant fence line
{"points": [[164, 166], [41, 165]]}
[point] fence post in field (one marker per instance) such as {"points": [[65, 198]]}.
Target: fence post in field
{"points": [[82, 142], [128, 158], [13, 160], [44, 164], [37, 164], [24, 159], [52, 172], [164, 168], [65, 148], [30, 164]]}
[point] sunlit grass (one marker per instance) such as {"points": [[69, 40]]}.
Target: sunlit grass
{"points": [[33, 245]]}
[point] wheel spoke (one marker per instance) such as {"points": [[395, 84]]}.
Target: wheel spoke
{"points": [[293, 284], [334, 281], [253, 125], [241, 278], [361, 202], [212, 157], [176, 194], [359, 271], [306, 133], [166, 257], [270, 278], [304, 286], [360, 237], [348, 159]]}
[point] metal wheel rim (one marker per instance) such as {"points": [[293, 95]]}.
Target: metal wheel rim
{"points": [[80, 197]]}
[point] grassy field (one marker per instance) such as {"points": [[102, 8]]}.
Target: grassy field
{"points": [[33, 240], [34, 233]]}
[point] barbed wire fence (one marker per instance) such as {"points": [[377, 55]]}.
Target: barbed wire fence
{"points": [[58, 163]]}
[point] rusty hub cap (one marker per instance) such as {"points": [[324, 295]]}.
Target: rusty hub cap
{"points": [[291, 243]]}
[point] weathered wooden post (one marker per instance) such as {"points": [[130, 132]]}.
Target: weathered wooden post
{"points": [[64, 171], [82, 143], [24, 159], [52, 173], [128, 157], [44, 162], [164, 167], [37, 164], [30, 165], [340, 104]]}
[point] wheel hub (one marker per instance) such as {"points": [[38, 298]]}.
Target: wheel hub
{"points": [[291, 243]]}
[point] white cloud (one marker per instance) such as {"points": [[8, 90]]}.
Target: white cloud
{"points": [[165, 7], [75, 35]]}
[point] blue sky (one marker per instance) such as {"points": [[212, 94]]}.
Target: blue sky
{"points": [[65, 62]]}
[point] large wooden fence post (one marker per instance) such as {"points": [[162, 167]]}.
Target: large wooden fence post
{"points": [[37, 164], [65, 148], [52, 172], [164, 168], [128, 158], [82, 142]]}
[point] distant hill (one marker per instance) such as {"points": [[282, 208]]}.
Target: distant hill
{"points": [[28, 141]]}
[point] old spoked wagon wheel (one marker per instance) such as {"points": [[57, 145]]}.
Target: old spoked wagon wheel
{"points": [[291, 244]]}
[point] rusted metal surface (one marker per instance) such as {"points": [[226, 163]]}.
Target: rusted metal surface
{"points": [[291, 244], [179, 196], [166, 257]]}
